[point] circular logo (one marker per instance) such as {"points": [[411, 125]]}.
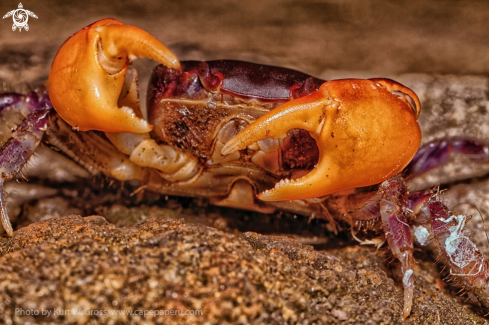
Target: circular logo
{"points": [[20, 18]]}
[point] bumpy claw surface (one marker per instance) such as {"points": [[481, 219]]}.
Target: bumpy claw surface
{"points": [[366, 132], [89, 70]]}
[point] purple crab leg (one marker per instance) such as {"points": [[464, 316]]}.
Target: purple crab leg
{"points": [[363, 210], [438, 152], [30, 103], [9, 99], [466, 262], [16, 151], [398, 233], [429, 219]]}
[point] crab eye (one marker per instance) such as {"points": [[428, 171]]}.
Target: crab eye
{"points": [[306, 88], [209, 80], [409, 99]]}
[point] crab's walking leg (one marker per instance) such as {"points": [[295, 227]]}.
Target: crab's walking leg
{"points": [[398, 233], [438, 152], [430, 220], [15, 107], [466, 262], [16, 151], [8, 100], [93, 152], [23, 104], [363, 210]]}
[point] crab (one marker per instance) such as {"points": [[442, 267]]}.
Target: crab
{"points": [[247, 136]]}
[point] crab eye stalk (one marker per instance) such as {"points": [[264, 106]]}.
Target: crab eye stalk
{"points": [[209, 80], [88, 74], [307, 88], [364, 132]]}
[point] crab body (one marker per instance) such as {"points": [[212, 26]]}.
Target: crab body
{"points": [[188, 115], [247, 136], [203, 107]]}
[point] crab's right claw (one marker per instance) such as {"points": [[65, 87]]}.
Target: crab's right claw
{"points": [[366, 132], [88, 72]]}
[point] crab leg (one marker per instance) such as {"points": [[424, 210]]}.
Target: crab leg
{"points": [[398, 234], [8, 100], [365, 131], [438, 152], [15, 107], [15, 153], [430, 220], [363, 210], [467, 264]]}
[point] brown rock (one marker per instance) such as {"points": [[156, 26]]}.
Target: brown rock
{"points": [[82, 269]]}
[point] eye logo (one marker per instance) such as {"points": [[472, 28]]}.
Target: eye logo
{"points": [[20, 17]]}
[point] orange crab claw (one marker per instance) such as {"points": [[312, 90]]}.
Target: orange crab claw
{"points": [[89, 70], [366, 132]]}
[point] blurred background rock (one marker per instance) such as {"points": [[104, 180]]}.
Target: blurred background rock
{"points": [[328, 38]]}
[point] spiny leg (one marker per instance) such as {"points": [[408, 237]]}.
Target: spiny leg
{"points": [[398, 233], [466, 262], [8, 100], [431, 220], [23, 103], [382, 209], [92, 152], [16, 151], [394, 211]]}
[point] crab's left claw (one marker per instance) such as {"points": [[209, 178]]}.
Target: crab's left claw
{"points": [[88, 74], [366, 132]]}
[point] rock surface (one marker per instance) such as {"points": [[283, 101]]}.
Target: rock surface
{"points": [[86, 270]]}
